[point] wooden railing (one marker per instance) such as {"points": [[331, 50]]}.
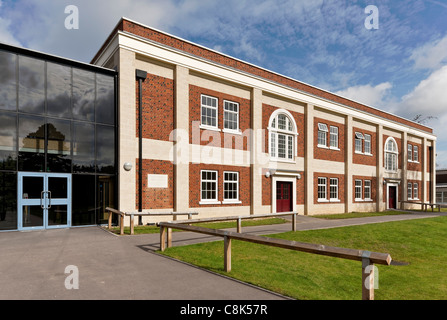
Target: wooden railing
{"points": [[133, 214], [367, 258]]}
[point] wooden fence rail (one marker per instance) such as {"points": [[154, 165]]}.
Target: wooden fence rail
{"points": [[133, 214], [424, 205], [367, 258]]}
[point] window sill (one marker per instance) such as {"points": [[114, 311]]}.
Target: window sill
{"points": [[209, 202], [238, 132], [358, 152], [334, 200], [323, 200], [209, 128], [231, 202], [283, 160], [368, 154], [322, 146], [334, 148]]}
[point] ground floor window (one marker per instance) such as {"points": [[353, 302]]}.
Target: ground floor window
{"points": [[231, 186], [322, 189], [209, 185]]}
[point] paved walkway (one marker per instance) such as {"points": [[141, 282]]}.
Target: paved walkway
{"points": [[32, 264]]}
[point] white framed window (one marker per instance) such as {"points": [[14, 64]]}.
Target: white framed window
{"points": [[231, 115], [415, 154], [410, 153], [367, 189], [410, 191], [283, 136], [333, 188], [415, 190], [333, 137], [322, 194], [208, 111], [208, 185], [358, 189], [231, 186], [367, 144], [359, 142], [391, 154], [322, 135]]}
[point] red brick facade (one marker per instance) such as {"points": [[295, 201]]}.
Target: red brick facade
{"points": [[366, 159], [328, 153], [373, 196], [158, 107], [219, 139], [328, 176], [413, 165], [195, 184], [156, 198]]}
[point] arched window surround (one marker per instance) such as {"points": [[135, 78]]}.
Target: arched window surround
{"points": [[391, 152], [282, 137]]}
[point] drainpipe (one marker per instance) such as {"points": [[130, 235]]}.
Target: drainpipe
{"points": [[141, 76]]}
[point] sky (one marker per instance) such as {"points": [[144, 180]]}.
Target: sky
{"points": [[393, 58]]}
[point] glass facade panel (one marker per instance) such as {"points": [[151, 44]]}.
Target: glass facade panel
{"points": [[58, 90], [31, 85], [83, 200], [83, 147], [8, 201], [105, 197], [58, 146], [105, 150], [31, 143], [8, 141], [83, 95], [105, 99], [8, 81]]}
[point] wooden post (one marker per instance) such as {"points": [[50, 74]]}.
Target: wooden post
{"points": [[227, 254], [121, 224], [169, 240], [294, 222], [131, 224], [162, 239], [367, 277], [110, 220], [239, 225]]}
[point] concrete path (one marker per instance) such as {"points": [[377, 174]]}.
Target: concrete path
{"points": [[33, 264]]}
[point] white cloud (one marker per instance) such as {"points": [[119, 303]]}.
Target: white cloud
{"points": [[374, 96], [431, 55]]}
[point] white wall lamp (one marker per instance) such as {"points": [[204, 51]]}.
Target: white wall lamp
{"points": [[267, 174], [127, 166]]}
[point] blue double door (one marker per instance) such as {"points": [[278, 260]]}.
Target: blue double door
{"points": [[44, 200]]}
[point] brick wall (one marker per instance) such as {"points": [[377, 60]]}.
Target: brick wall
{"points": [[156, 198], [364, 158], [227, 140], [341, 186], [416, 166], [158, 107], [373, 188], [326, 153], [195, 184]]}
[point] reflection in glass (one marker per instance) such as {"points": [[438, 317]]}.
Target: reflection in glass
{"points": [[83, 200], [57, 215], [105, 99], [32, 187], [58, 187], [31, 143], [83, 95], [58, 146], [106, 197], [8, 81], [8, 138], [83, 147], [58, 90], [31, 85], [105, 150], [32, 216], [8, 201]]}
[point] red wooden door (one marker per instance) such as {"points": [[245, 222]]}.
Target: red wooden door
{"points": [[391, 197], [283, 196]]}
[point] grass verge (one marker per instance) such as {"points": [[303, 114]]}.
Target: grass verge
{"points": [[300, 275]]}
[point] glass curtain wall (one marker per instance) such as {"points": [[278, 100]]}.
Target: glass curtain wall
{"points": [[57, 117]]}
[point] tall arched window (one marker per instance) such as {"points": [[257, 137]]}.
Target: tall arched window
{"points": [[282, 135], [391, 154]]}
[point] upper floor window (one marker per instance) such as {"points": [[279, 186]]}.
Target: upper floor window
{"points": [[391, 153], [283, 135], [367, 144], [413, 153], [231, 115], [333, 138], [322, 135], [208, 111], [359, 142]]}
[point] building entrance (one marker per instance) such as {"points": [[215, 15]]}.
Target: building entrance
{"points": [[43, 200]]}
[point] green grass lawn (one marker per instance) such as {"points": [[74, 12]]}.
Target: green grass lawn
{"points": [[359, 214], [422, 243]]}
